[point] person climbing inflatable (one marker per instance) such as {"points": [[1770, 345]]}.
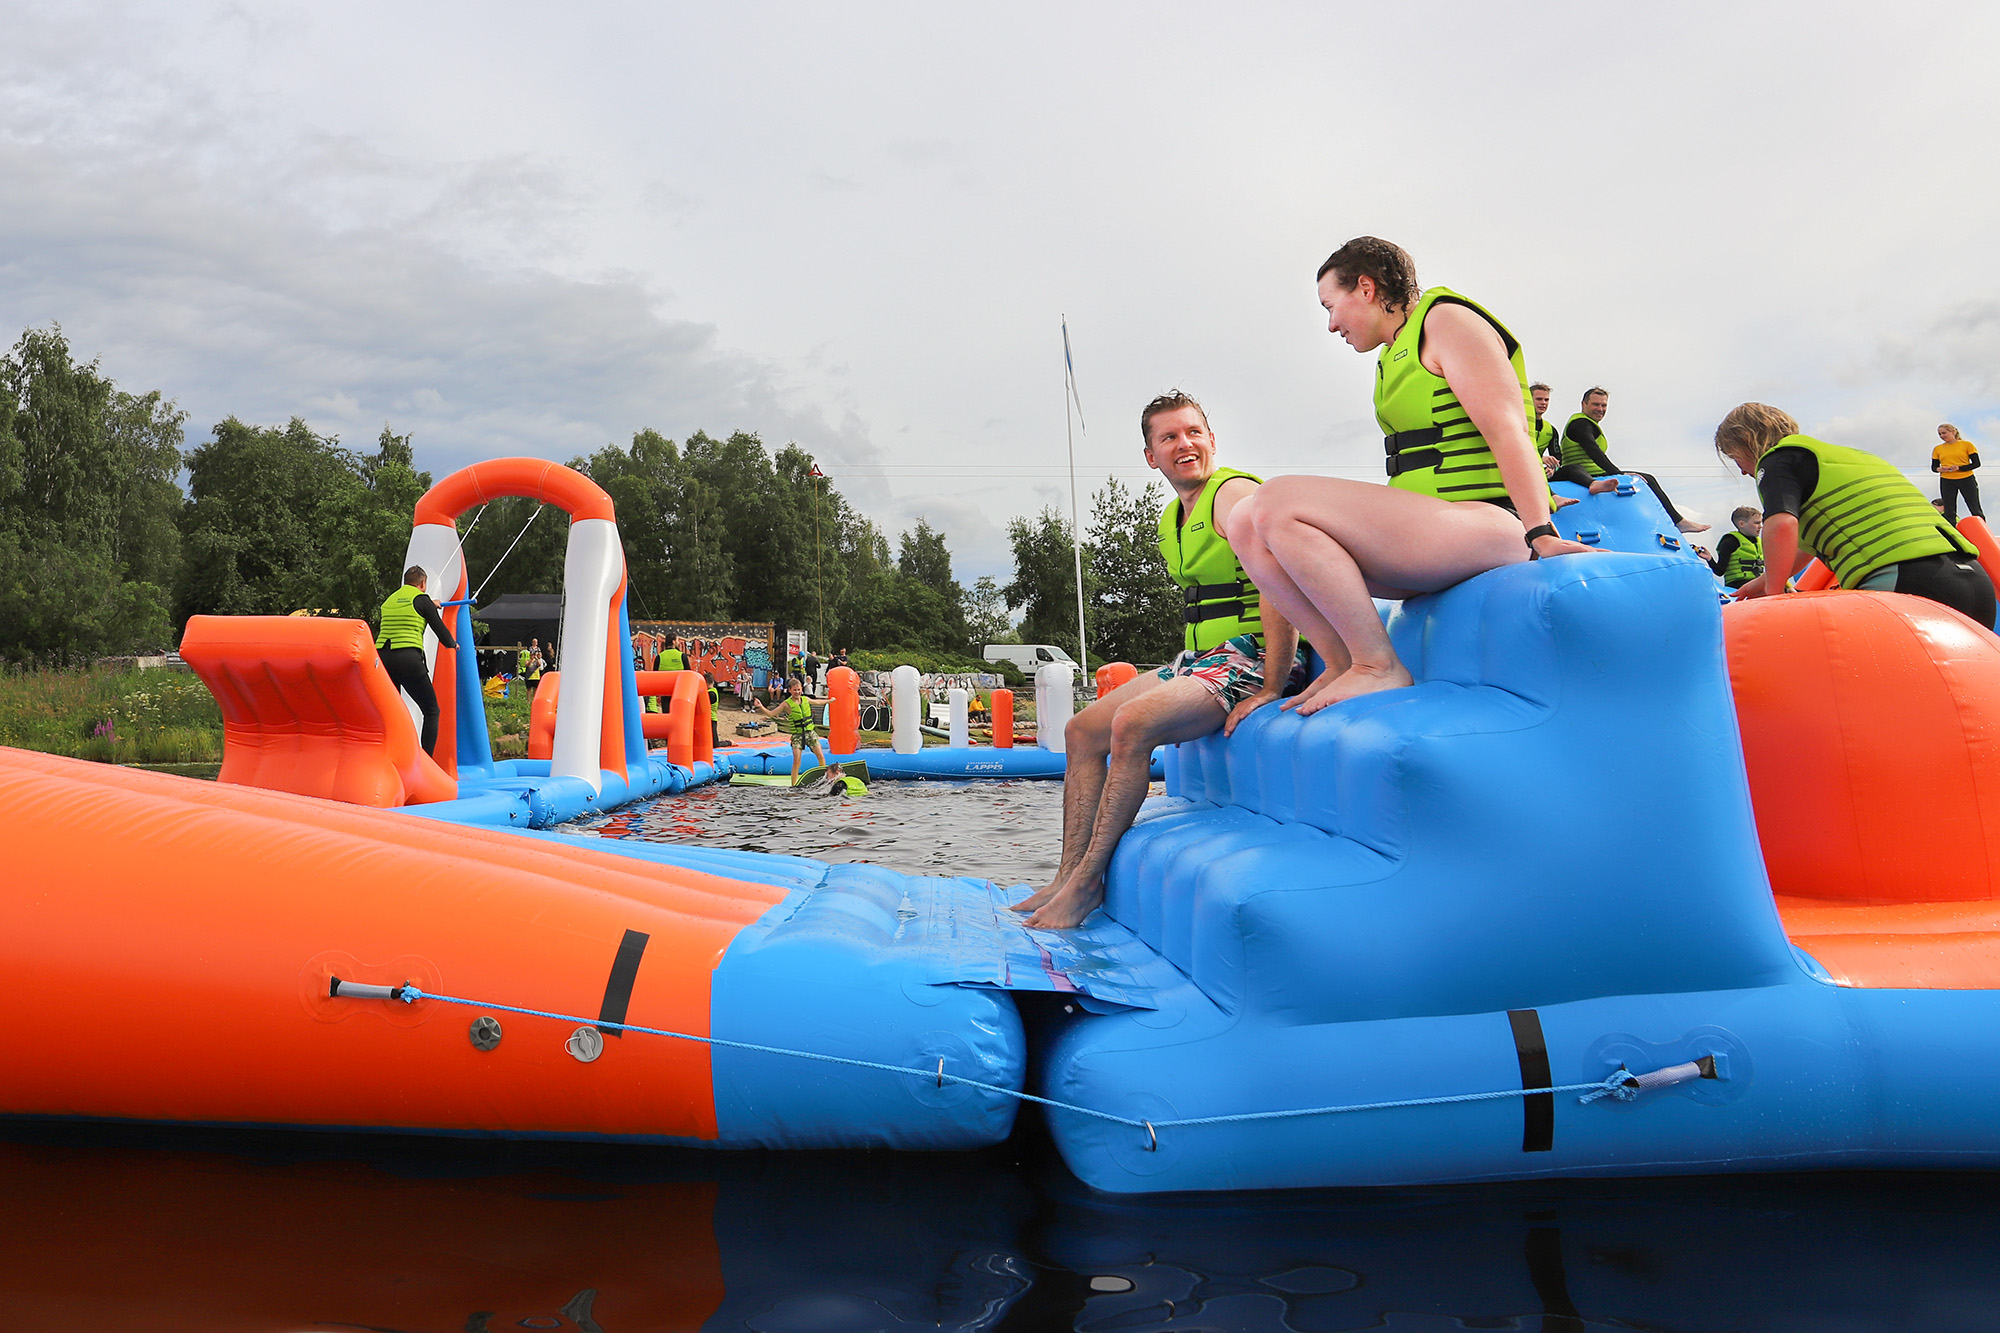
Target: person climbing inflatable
{"points": [[1451, 396], [406, 614], [1866, 520]]}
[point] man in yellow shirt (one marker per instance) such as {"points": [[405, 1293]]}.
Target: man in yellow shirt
{"points": [[1954, 460]]}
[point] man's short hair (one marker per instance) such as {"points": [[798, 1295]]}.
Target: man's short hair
{"points": [[1173, 400], [415, 574], [1743, 513], [1538, 385], [1587, 393], [1389, 264]]}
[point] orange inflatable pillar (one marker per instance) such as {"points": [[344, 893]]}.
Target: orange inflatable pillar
{"points": [[444, 680], [542, 716], [1003, 719], [1974, 530], [689, 737], [1113, 674], [843, 731], [1815, 577]]}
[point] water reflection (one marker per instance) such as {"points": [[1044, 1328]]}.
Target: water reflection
{"points": [[1009, 829], [184, 1231]]}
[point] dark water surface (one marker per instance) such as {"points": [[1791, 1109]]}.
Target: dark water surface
{"points": [[278, 1233], [1006, 829]]}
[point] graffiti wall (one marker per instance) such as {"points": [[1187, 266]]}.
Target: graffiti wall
{"points": [[735, 654]]}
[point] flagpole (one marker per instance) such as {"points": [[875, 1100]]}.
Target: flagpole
{"points": [[1075, 521]]}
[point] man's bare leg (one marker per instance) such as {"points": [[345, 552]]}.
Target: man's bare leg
{"points": [[1180, 710], [1086, 746]]}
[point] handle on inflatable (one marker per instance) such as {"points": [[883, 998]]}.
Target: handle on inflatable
{"points": [[1974, 530], [843, 723], [1113, 674], [1003, 719], [1814, 577]]}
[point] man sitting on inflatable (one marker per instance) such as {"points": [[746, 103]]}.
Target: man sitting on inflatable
{"points": [[1240, 655]]}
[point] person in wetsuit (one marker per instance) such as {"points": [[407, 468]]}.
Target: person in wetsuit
{"points": [[1739, 556], [406, 613], [1585, 462], [1955, 460], [1866, 520]]}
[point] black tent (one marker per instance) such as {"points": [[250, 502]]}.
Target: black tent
{"points": [[517, 617]]}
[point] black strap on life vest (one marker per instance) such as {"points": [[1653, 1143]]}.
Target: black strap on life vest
{"points": [[1204, 600], [1407, 452]]}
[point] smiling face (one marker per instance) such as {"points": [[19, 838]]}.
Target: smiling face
{"points": [[1746, 462], [1356, 314], [1179, 444], [1594, 405]]}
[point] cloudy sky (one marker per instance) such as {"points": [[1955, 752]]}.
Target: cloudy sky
{"points": [[512, 228]]}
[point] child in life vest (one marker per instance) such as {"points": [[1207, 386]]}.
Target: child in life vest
{"points": [[795, 719]]}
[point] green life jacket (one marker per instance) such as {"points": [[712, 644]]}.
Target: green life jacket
{"points": [[714, 701], [1573, 454], [671, 659], [1864, 515], [1546, 439], [1222, 603], [798, 719], [1433, 447], [402, 627], [1746, 562], [521, 662]]}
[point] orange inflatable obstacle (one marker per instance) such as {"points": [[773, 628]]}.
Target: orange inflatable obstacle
{"points": [[224, 920], [307, 708], [1871, 736]]}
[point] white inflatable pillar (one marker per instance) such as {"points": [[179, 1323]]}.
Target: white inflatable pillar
{"points": [[592, 566], [1055, 700], [961, 729], [905, 711]]}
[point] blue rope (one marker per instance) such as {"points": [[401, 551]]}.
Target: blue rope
{"points": [[1616, 1084]]}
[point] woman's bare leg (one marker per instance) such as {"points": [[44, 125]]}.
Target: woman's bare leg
{"points": [[1339, 544]]}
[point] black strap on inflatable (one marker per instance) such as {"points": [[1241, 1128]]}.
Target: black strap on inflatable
{"points": [[1538, 1113], [618, 987]]}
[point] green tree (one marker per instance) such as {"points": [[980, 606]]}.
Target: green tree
{"points": [[986, 617], [1044, 585], [925, 563], [1135, 609], [88, 550]]}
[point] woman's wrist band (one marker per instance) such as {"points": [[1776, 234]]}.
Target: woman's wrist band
{"points": [[1541, 530]]}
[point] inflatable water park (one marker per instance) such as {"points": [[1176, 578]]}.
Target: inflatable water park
{"points": [[1630, 882]]}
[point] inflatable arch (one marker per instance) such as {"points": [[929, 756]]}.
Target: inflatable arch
{"points": [[596, 732]]}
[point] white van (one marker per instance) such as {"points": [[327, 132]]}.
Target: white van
{"points": [[1029, 657]]}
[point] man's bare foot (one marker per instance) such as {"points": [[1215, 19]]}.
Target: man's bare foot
{"points": [[1356, 681], [1039, 896], [1689, 525], [1603, 484], [1067, 909]]}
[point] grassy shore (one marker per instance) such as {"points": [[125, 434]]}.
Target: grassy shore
{"points": [[117, 715]]}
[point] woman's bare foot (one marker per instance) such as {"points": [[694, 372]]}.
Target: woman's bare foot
{"points": [[1357, 680], [1603, 484], [1067, 909], [1320, 682]]}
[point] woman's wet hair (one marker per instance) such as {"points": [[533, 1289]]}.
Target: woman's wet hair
{"points": [[1388, 264], [1752, 428]]}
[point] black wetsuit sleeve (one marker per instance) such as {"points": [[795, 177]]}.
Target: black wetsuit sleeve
{"points": [[1585, 434], [1724, 549], [425, 607], [1786, 479]]}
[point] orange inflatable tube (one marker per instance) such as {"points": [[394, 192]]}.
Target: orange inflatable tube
{"points": [[307, 708], [1815, 577], [1974, 529], [1113, 674], [183, 971], [1003, 719], [542, 716], [843, 731], [685, 725]]}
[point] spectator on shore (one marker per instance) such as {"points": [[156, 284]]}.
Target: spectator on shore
{"points": [[1954, 460]]}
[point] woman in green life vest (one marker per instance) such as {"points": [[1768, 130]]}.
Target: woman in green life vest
{"points": [[795, 719], [1866, 520], [1466, 491]]}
